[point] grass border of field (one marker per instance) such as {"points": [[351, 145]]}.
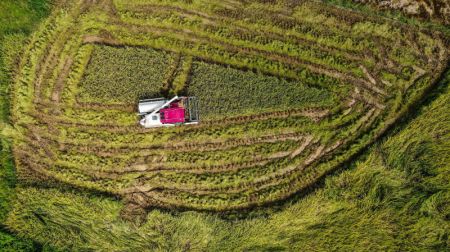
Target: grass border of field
{"points": [[21, 17]]}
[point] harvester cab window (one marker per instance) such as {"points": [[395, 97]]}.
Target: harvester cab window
{"points": [[154, 118]]}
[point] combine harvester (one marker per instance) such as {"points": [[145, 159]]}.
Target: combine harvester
{"points": [[161, 112]]}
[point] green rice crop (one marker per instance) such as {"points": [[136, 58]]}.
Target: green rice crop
{"points": [[227, 91], [123, 75]]}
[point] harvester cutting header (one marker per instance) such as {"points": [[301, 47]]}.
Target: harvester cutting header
{"points": [[161, 112]]}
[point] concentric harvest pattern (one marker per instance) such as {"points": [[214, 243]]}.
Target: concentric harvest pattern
{"points": [[287, 94]]}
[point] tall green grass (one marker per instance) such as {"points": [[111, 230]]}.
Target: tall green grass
{"points": [[21, 16], [17, 21], [9, 50]]}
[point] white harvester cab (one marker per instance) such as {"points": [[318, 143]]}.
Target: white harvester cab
{"points": [[151, 121], [161, 112]]}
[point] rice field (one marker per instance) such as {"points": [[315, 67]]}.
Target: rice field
{"points": [[227, 91], [123, 75], [290, 93], [286, 96]]}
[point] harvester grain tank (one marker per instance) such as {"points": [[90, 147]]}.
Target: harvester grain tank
{"points": [[161, 112]]}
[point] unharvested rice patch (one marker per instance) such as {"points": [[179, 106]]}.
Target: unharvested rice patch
{"points": [[123, 75]]}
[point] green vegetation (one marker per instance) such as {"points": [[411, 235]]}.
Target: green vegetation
{"points": [[123, 75], [21, 16], [11, 243], [18, 19], [227, 91], [291, 93], [9, 50]]}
